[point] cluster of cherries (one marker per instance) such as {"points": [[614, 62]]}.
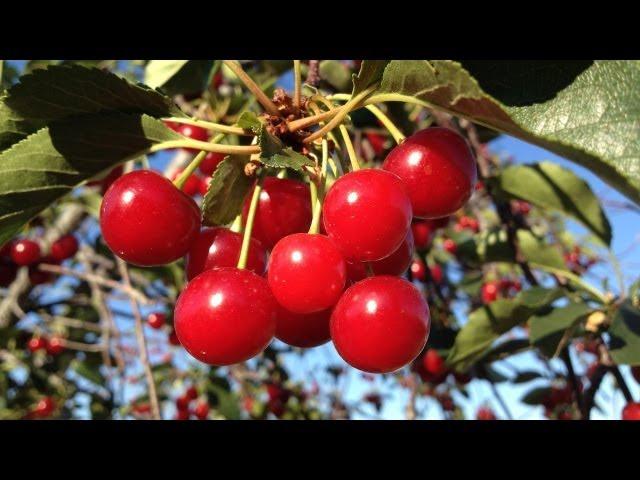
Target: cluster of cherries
{"points": [[185, 408], [27, 253], [342, 285], [53, 345]]}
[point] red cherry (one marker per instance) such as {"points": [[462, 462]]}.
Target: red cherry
{"points": [[438, 169], [395, 264], [193, 132], [141, 408], [278, 392], [423, 233], [462, 378], [192, 186], [220, 247], [38, 277], [377, 142], [201, 411], [5, 250], [635, 371], [182, 415], [203, 186], [182, 403], [485, 413], [284, 208], [63, 248], [37, 343], [631, 411], [146, 220], [173, 339], [210, 162], [306, 273], [436, 273], [156, 320], [303, 330], [44, 408], [225, 316], [423, 160], [450, 246], [367, 213], [25, 252], [55, 346], [191, 393], [365, 316], [433, 363], [489, 292], [8, 273], [172, 125], [418, 270]]}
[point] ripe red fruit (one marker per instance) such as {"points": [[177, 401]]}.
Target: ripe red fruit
{"points": [[203, 186], [55, 346], [438, 169], [367, 213], [63, 248], [182, 403], [201, 411], [25, 252], [210, 162], [193, 132], [365, 316], [44, 408], [423, 233], [307, 273], [173, 339], [182, 415], [377, 142], [37, 343], [191, 393], [192, 186], [303, 330], [146, 220], [485, 413], [436, 273], [395, 264], [225, 316], [418, 270], [433, 363], [220, 247], [631, 411], [489, 292], [156, 320], [8, 273], [450, 246], [284, 208]]}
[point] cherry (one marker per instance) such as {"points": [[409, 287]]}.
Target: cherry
{"points": [[462, 378], [210, 162], [367, 213], [203, 186], [183, 415], [156, 320], [423, 233], [275, 391], [37, 276], [44, 408], [395, 264], [450, 246], [5, 250], [380, 324], [173, 339], [438, 169], [225, 316], [377, 142], [193, 132], [63, 248], [220, 247], [631, 411], [192, 186], [172, 125], [182, 403], [306, 273], [8, 273], [635, 371], [55, 346], [25, 252], [146, 220], [433, 363], [436, 273], [489, 292], [467, 223], [303, 330], [202, 410], [418, 270], [284, 208], [485, 413], [37, 343]]}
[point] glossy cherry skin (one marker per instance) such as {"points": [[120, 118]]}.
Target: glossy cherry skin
{"points": [[191, 393], [484, 413], [210, 162], [395, 264], [418, 270], [44, 408], [25, 252], [367, 213], [436, 273], [438, 169], [63, 248], [37, 343], [156, 320], [55, 346], [146, 220], [203, 186], [220, 247], [225, 316], [433, 363], [193, 132], [284, 208], [201, 411], [307, 273], [303, 330], [423, 233], [380, 324], [631, 411], [192, 186], [489, 292], [450, 246]]}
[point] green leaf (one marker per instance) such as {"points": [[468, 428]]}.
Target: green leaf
{"points": [[227, 190], [536, 396], [526, 376], [48, 164], [624, 335], [273, 153], [89, 371], [538, 252], [548, 329], [371, 71], [178, 76], [227, 402], [487, 323], [249, 121], [551, 186], [588, 112], [336, 74]]}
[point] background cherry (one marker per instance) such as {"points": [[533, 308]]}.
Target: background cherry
{"points": [[303, 330], [438, 169], [25, 252], [146, 220], [63, 248], [44, 408], [395, 264], [210, 162], [225, 316], [433, 363], [202, 410], [418, 270], [366, 314], [631, 411], [485, 413], [36, 343], [220, 247], [450, 246], [306, 273], [192, 186], [156, 320], [55, 345], [284, 208], [489, 292], [193, 132], [367, 213]]}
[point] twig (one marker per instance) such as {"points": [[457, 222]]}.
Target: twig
{"points": [[268, 105], [573, 380]]}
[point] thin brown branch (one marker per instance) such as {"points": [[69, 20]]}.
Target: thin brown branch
{"points": [[253, 87]]}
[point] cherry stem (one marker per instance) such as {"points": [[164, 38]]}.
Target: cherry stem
{"points": [[317, 192], [206, 146], [195, 163], [268, 105], [216, 127], [395, 132], [297, 75], [246, 238], [355, 165]]}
